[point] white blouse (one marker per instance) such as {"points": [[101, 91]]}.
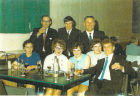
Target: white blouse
{"points": [[50, 60]]}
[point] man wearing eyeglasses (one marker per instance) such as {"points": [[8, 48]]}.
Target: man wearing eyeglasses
{"points": [[42, 37]]}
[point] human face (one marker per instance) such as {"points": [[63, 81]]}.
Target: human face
{"points": [[108, 48], [28, 48], [68, 25], [77, 52], [46, 22], [97, 48], [89, 24], [58, 49]]}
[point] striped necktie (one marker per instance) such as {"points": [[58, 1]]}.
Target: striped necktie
{"points": [[104, 68]]}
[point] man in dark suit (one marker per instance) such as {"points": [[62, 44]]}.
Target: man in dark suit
{"points": [[109, 71], [69, 34], [90, 33], [42, 37]]}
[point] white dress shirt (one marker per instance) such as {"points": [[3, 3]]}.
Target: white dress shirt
{"points": [[69, 31], [88, 33], [62, 59], [107, 71]]}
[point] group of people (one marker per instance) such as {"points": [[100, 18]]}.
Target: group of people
{"points": [[91, 50]]}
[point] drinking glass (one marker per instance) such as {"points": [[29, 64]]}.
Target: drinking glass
{"points": [[79, 71], [67, 75]]}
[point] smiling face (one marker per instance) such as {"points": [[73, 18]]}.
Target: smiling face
{"points": [[97, 48], [77, 52], [28, 48], [68, 25], [58, 49], [108, 48], [89, 24], [46, 22]]}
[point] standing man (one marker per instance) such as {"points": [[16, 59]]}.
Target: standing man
{"points": [[42, 37], [109, 71], [90, 33], [69, 34]]}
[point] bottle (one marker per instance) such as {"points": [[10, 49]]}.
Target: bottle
{"points": [[56, 67]]}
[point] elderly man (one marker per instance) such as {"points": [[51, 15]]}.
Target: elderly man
{"points": [[109, 71], [42, 37], [89, 34], [69, 34]]}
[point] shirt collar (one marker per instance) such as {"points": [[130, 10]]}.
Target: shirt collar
{"points": [[69, 31], [90, 32]]}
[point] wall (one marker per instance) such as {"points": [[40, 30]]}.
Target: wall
{"points": [[10, 42], [114, 16]]}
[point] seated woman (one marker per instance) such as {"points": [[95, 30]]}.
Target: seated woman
{"points": [[96, 52], [29, 57], [79, 61], [58, 46]]}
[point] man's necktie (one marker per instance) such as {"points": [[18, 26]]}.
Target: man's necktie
{"points": [[44, 39], [104, 68], [90, 37]]}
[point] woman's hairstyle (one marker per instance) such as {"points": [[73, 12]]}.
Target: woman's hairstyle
{"points": [[95, 41], [60, 42], [75, 45], [26, 42]]}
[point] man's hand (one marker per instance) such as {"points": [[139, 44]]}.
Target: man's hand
{"points": [[117, 66], [41, 31]]}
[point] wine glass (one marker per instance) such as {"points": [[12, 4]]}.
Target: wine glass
{"points": [[22, 69], [49, 68]]}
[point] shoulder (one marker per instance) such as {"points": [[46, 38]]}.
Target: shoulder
{"points": [[63, 56], [35, 54], [61, 29], [90, 52], [76, 30], [52, 30]]}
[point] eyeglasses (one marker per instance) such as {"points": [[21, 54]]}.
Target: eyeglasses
{"points": [[46, 21], [58, 48]]}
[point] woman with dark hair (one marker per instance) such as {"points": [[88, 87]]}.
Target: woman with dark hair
{"points": [[79, 61], [29, 58]]}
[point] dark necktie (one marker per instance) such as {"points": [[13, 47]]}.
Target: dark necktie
{"points": [[104, 68], [90, 37]]}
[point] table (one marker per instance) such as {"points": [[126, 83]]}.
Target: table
{"points": [[39, 80]]}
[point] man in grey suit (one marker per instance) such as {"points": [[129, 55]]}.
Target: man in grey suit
{"points": [[69, 34], [90, 33]]}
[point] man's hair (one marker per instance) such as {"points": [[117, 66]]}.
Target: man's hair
{"points": [[77, 44], [26, 42], [95, 41], [105, 41], [89, 17], [60, 42], [69, 18], [46, 16]]}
